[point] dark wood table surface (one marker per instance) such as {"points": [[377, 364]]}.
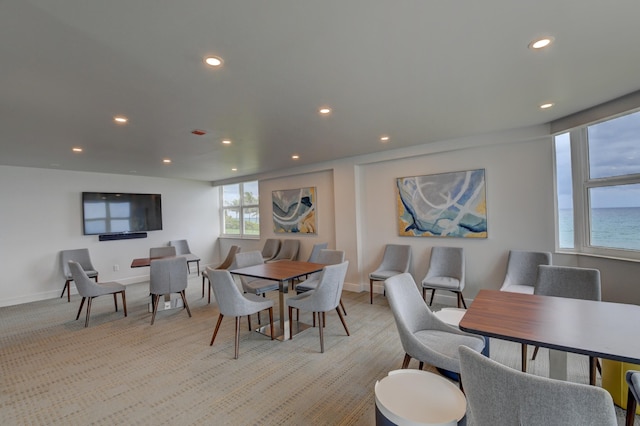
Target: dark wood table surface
{"points": [[599, 329], [282, 271]]}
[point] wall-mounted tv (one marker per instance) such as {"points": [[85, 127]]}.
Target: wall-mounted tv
{"points": [[119, 212]]}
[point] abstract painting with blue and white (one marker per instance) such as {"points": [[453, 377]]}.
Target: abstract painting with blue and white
{"points": [[294, 210], [443, 205]]}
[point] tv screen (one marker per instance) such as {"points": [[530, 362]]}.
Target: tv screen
{"points": [[113, 213]]}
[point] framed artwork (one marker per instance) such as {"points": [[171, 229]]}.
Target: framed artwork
{"points": [[294, 211], [443, 205]]}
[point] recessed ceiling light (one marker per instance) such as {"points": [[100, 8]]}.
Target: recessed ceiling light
{"points": [[213, 61], [234, 170], [76, 149], [167, 161], [541, 43], [226, 141], [295, 156], [325, 110], [547, 105], [120, 119], [384, 138]]}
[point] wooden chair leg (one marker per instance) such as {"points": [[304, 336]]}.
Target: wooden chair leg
{"points": [[124, 302], [321, 327], [535, 353], [79, 310], [344, 324], [523, 357], [215, 332], [156, 300], [592, 370], [237, 337], [67, 287], [461, 299], [424, 294], [184, 300], [271, 323], [342, 306], [371, 291], [115, 301], [86, 322], [405, 361], [249, 321], [631, 409], [203, 277], [420, 365], [433, 293], [290, 323]]}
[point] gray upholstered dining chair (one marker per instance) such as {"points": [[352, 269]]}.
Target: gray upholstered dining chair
{"points": [[233, 303], [573, 283], [250, 284], [182, 249], [324, 298], [226, 264], [315, 252], [270, 249], [168, 276], [90, 290], [446, 272], [326, 257], [288, 251], [501, 396], [522, 270], [82, 257], [164, 251], [521, 277], [633, 381], [395, 260], [423, 335]]}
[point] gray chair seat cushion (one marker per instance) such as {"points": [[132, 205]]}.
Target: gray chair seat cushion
{"points": [[260, 286], [383, 275], [308, 284], [108, 288], [515, 288], [448, 283], [446, 345], [90, 274]]}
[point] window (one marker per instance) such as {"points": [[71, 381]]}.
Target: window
{"points": [[240, 210], [598, 188]]}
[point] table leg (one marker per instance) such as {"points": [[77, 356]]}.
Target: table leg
{"points": [[281, 327]]}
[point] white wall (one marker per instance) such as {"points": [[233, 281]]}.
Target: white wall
{"points": [[41, 214]]}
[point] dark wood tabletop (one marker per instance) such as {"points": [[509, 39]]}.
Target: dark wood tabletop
{"points": [[599, 329], [282, 270], [141, 262]]}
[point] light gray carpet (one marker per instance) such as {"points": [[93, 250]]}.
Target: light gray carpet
{"points": [[125, 371]]}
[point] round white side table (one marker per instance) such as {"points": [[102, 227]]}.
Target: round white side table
{"points": [[415, 398]]}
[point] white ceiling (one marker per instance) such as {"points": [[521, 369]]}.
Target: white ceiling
{"points": [[419, 71]]}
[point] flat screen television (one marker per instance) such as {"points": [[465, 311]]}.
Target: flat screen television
{"points": [[119, 212]]}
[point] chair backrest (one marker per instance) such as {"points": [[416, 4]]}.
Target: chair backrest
{"points": [[315, 252], [397, 257], [409, 310], [182, 246], [78, 255], [230, 300], [289, 250], [271, 248], [330, 257], [499, 395], [247, 258], [228, 261], [566, 281], [329, 290], [522, 267], [447, 262], [85, 285], [168, 275], [165, 251]]}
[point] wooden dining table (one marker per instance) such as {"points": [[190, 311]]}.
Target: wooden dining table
{"points": [[283, 271], [594, 328]]}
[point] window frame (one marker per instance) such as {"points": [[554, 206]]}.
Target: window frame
{"points": [[242, 206], [582, 183]]}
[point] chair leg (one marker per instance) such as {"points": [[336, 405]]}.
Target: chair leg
{"points": [[535, 353], [342, 306], [271, 322], [79, 310], [321, 327], [124, 303], [249, 321], [209, 299], [461, 299], [237, 337], [344, 324], [86, 322], [115, 301], [203, 277], [420, 365], [184, 300], [433, 293], [405, 362], [156, 300], [215, 331], [424, 293], [523, 357], [592, 370], [631, 409], [371, 291], [67, 287], [290, 323]]}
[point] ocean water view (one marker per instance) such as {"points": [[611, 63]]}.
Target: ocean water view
{"points": [[611, 227]]}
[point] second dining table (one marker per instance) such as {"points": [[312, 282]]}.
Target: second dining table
{"points": [[283, 271]]}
